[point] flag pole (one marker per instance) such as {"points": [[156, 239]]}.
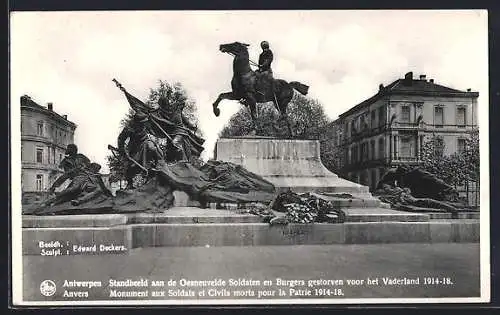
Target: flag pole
{"points": [[119, 85]]}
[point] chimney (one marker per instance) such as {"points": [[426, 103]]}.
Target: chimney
{"points": [[49, 106], [422, 77], [408, 79], [25, 100], [468, 90], [431, 80], [380, 87], [65, 116]]}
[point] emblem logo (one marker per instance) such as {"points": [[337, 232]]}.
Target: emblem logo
{"points": [[47, 288]]}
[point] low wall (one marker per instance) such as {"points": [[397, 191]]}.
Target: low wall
{"points": [[118, 234]]}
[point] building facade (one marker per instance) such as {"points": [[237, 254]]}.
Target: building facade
{"points": [[44, 137], [389, 128]]}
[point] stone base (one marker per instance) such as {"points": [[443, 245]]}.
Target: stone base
{"points": [[119, 233], [288, 164]]}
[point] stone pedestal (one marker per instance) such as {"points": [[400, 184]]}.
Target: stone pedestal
{"points": [[294, 164]]}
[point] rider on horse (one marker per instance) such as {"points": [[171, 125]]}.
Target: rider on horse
{"points": [[265, 73], [252, 87]]}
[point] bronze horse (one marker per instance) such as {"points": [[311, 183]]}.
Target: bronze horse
{"points": [[244, 84]]}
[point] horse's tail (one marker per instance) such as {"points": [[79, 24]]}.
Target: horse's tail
{"points": [[301, 88]]}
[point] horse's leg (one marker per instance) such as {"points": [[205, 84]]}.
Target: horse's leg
{"points": [[223, 96], [252, 105], [283, 98]]}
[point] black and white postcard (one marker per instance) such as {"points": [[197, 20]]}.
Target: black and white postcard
{"points": [[249, 157]]}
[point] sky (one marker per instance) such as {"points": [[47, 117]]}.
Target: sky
{"points": [[70, 58]]}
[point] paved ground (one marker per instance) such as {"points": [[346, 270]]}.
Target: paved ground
{"points": [[459, 262]]}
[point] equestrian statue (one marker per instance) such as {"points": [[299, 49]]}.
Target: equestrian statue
{"points": [[250, 87]]}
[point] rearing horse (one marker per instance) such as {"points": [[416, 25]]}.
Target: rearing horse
{"points": [[244, 83]]}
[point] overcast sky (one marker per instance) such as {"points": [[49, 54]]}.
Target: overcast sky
{"points": [[70, 58]]}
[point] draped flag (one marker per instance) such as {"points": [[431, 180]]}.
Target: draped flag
{"points": [[136, 104], [161, 126]]}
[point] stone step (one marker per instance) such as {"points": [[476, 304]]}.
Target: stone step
{"points": [[70, 221], [185, 215], [356, 201], [460, 215], [120, 239], [176, 215], [382, 215]]}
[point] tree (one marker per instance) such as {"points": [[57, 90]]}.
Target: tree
{"points": [[433, 158], [456, 169], [307, 119], [471, 156], [177, 96], [306, 116]]}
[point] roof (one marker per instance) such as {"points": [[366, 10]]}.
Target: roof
{"points": [[26, 101], [410, 86]]}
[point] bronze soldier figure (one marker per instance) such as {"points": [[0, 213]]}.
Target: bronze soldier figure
{"points": [[93, 186], [72, 163], [265, 73], [141, 152], [86, 184], [179, 130]]}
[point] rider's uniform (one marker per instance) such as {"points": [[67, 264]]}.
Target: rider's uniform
{"points": [[265, 73], [265, 60]]}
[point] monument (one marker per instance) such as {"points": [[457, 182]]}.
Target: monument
{"points": [[258, 190]]}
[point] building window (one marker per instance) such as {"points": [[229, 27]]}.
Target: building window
{"points": [[39, 155], [461, 117], [381, 149], [373, 117], [405, 113], [353, 127], [438, 116], [354, 154], [372, 149], [406, 147], [39, 128], [381, 116], [363, 151], [438, 146], [460, 146], [362, 122], [39, 182]]}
